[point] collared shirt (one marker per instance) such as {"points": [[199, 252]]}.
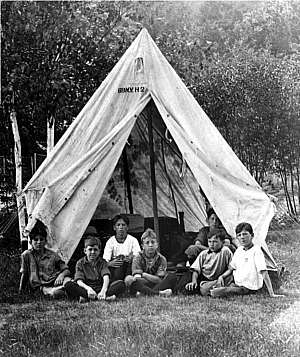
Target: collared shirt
{"points": [[91, 273], [248, 265], [113, 248], [42, 269], [212, 264], [156, 265]]}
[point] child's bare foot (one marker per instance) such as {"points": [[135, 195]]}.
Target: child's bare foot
{"points": [[82, 300], [165, 293], [111, 298]]}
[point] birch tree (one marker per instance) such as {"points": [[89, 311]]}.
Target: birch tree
{"points": [[18, 168]]}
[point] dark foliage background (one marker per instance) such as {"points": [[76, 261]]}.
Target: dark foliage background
{"points": [[239, 59]]}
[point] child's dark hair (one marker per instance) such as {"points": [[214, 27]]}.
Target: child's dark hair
{"points": [[38, 229], [120, 216], [148, 233], [244, 226], [210, 212], [92, 240], [218, 233]]}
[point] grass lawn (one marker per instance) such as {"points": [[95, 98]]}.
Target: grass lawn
{"points": [[176, 326]]}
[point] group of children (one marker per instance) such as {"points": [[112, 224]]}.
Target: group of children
{"points": [[127, 269]]}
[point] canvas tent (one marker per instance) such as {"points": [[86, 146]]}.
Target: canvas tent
{"points": [[66, 189]]}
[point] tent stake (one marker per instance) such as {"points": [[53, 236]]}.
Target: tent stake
{"points": [[153, 182]]}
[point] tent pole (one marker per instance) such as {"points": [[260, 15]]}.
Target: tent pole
{"points": [[168, 177], [153, 182], [127, 179]]}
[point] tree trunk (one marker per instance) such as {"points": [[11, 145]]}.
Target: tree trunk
{"points": [[50, 134], [287, 197], [18, 163]]}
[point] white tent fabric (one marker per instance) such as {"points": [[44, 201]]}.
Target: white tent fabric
{"points": [[66, 189]]}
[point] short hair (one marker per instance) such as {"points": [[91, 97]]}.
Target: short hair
{"points": [[218, 233], [210, 212], [38, 229], [90, 241], [148, 233], [120, 216], [90, 231], [244, 226]]}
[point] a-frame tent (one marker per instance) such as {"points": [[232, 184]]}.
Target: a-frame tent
{"points": [[65, 190]]}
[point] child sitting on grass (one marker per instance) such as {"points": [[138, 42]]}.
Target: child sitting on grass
{"points": [[248, 267], [120, 250], [92, 276], [41, 267], [210, 264], [201, 241], [149, 268]]}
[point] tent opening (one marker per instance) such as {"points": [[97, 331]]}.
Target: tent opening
{"points": [[181, 203]]}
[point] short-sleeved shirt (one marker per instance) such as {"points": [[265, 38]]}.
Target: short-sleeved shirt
{"points": [[41, 269], [248, 265], [91, 273], [113, 248], [212, 264], [156, 265]]}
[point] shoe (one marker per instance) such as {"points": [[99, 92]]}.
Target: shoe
{"points": [[165, 293], [111, 298], [82, 300]]}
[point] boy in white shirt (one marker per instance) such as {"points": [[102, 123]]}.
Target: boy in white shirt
{"points": [[248, 267], [120, 250]]}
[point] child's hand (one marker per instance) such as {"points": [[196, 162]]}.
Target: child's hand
{"points": [[220, 282], [191, 286], [91, 294], [59, 280], [102, 295], [226, 242], [115, 263]]}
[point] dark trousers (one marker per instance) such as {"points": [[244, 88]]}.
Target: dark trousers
{"points": [[75, 291], [204, 285], [181, 279], [174, 281], [147, 288], [121, 272], [230, 290]]}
